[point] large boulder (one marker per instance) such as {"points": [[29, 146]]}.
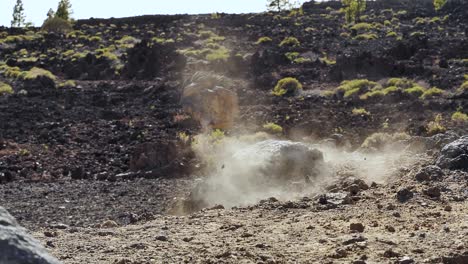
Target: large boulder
{"points": [[454, 155], [259, 171], [281, 159], [212, 105], [17, 247]]}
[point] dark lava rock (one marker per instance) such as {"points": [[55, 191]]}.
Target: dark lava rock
{"points": [[149, 156], [357, 227], [17, 247], [404, 194], [429, 173], [454, 155], [146, 60], [335, 198], [456, 258], [433, 192]]}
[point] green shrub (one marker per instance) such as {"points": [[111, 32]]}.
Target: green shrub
{"points": [[215, 39], [127, 40], [162, 40], [287, 86], [5, 88], [263, 40], [57, 25], [460, 117], [10, 72], [392, 34], [400, 83], [37, 72], [360, 112], [68, 84], [435, 127], [464, 86], [402, 12], [362, 27], [302, 60], [95, 39], [290, 42], [273, 128], [352, 87], [390, 89], [292, 55], [419, 21], [366, 37], [434, 91], [327, 61], [417, 34], [372, 94], [221, 54], [416, 91], [351, 92]]}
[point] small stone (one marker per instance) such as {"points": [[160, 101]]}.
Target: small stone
{"points": [[217, 207], [50, 244], [391, 207], [406, 260], [224, 254], [356, 227], [354, 239], [310, 227], [389, 253], [109, 224], [59, 226], [448, 208], [187, 239], [339, 253], [390, 229], [433, 192], [50, 233], [429, 173], [404, 195], [396, 214], [161, 238]]}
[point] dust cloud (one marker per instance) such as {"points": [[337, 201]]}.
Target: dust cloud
{"points": [[242, 170]]}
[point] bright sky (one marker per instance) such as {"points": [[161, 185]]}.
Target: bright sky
{"points": [[36, 10]]}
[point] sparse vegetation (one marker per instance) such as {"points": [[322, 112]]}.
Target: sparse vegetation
{"points": [[287, 86], [273, 128], [358, 86], [362, 26], [263, 40], [290, 42], [438, 4], [460, 117], [366, 37], [37, 72], [353, 9], [5, 88], [360, 112], [433, 92], [58, 25], [435, 126]]}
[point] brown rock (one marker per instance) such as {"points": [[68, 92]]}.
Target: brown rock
{"points": [[356, 227]]}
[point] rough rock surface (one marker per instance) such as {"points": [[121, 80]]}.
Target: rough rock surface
{"points": [[18, 247], [454, 155], [212, 106]]}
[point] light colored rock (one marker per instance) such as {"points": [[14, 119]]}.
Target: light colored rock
{"points": [[17, 246], [212, 105]]}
